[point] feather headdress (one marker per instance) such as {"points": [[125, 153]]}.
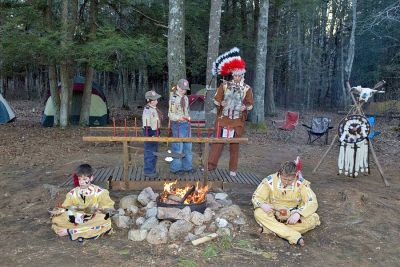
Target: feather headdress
{"points": [[229, 62]]}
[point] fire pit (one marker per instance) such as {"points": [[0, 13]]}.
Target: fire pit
{"points": [[193, 197]]}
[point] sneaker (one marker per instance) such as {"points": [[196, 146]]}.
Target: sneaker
{"points": [[231, 173], [151, 175]]}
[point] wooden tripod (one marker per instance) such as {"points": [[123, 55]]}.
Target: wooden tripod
{"points": [[356, 109]]}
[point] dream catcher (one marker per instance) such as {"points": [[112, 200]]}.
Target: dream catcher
{"points": [[353, 131]]}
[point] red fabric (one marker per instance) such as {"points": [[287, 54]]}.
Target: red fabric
{"points": [[291, 120], [193, 98], [76, 181]]}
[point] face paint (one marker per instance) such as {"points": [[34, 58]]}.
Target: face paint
{"points": [[84, 181]]}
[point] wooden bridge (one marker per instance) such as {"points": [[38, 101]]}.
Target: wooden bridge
{"points": [[217, 178]]}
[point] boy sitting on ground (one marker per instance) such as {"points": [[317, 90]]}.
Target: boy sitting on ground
{"points": [[285, 204], [85, 213]]}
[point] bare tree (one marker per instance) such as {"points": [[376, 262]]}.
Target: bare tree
{"points": [[261, 61], [352, 43], [212, 53], [176, 41]]}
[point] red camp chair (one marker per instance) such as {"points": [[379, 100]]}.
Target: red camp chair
{"points": [[289, 123]]}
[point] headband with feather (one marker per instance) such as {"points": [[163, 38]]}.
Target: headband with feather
{"points": [[229, 62]]}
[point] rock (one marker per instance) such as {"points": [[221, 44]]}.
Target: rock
{"points": [[140, 221], [149, 223], [174, 213], [179, 229], [126, 201], [239, 221], [224, 232], [198, 230], [157, 235], [212, 203], [166, 223], [197, 218], [221, 196], [133, 209], [224, 202], [121, 212], [146, 196], [212, 227], [221, 222], [190, 237], [53, 190], [137, 235], [151, 212], [208, 215], [230, 213], [151, 204], [121, 221]]}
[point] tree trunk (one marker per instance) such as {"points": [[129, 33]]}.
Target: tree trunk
{"points": [[176, 42], [84, 118], [300, 86], [352, 43], [212, 53], [55, 96], [69, 10], [261, 60]]}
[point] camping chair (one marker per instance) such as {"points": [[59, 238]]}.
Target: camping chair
{"points": [[372, 133], [289, 123], [319, 127]]}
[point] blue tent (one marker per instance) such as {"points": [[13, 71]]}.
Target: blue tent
{"points": [[6, 113]]}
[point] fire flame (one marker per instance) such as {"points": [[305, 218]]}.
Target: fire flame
{"points": [[196, 197]]}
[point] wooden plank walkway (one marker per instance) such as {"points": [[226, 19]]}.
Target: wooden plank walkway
{"points": [[136, 175]]}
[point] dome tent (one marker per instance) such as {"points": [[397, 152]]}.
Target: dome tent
{"points": [[98, 105], [6, 112]]}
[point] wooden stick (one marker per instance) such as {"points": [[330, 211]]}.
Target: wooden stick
{"points": [[133, 128], [326, 153], [126, 163], [136, 128], [378, 164], [204, 239], [241, 140], [205, 164], [115, 130], [125, 129]]}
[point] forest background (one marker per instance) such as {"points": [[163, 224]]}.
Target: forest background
{"points": [[299, 53]]}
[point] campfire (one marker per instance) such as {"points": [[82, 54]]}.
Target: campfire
{"points": [[188, 195]]}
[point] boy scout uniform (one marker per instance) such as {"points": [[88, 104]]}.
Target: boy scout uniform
{"points": [[297, 197], [151, 120]]}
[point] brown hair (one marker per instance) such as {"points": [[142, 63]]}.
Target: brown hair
{"points": [[288, 167]]}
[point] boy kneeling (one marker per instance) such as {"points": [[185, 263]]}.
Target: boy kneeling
{"points": [[286, 205], [85, 213]]}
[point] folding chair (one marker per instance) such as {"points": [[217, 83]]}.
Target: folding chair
{"points": [[289, 123], [372, 133], [319, 128]]}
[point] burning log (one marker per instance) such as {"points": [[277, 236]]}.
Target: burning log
{"points": [[175, 198]]}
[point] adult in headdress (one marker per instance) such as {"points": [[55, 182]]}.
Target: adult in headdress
{"points": [[233, 99]]}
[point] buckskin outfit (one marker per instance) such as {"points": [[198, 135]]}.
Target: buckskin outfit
{"points": [[297, 197]]}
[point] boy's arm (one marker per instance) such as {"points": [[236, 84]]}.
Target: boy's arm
{"points": [[309, 203], [105, 202], [261, 195]]}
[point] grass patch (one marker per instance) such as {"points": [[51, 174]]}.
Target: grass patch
{"points": [[210, 251], [258, 127], [185, 262]]}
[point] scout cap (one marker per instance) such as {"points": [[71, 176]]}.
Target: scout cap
{"points": [[152, 95], [183, 84]]}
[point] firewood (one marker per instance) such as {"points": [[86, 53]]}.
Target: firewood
{"points": [[175, 198], [204, 239]]}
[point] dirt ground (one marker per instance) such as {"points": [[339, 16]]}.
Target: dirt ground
{"points": [[360, 217]]}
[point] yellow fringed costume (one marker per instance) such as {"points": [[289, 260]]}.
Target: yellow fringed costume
{"points": [[80, 218], [297, 197]]}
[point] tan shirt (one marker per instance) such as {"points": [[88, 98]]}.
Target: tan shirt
{"points": [[176, 111], [151, 117]]}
